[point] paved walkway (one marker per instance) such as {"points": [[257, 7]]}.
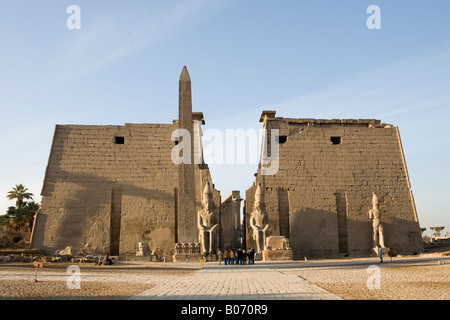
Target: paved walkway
{"points": [[214, 282], [262, 281]]}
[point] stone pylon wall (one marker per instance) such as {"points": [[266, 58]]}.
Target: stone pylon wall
{"points": [[108, 187], [321, 194]]}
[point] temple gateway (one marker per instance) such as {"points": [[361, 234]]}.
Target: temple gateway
{"points": [[341, 188]]}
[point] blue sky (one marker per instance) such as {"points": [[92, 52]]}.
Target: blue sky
{"points": [[304, 59]]}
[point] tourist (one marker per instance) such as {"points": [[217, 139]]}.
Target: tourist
{"points": [[241, 256], [107, 261], [219, 254], [225, 256], [231, 256], [251, 256], [380, 253]]}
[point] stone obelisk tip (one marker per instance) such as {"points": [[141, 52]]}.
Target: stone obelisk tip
{"points": [[185, 75]]}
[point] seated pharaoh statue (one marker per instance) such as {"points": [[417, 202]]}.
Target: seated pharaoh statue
{"points": [[206, 222], [258, 220]]}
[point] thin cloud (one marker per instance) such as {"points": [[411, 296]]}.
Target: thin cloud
{"points": [[387, 92], [97, 45]]}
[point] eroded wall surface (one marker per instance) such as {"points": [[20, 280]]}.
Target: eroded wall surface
{"points": [[108, 187], [321, 195]]}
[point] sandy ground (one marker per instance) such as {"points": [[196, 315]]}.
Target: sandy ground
{"points": [[92, 290], [422, 280], [392, 281], [17, 289]]}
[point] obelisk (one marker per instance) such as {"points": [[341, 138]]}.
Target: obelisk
{"points": [[187, 217]]}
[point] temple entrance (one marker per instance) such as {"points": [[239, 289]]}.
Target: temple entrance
{"points": [[341, 209], [283, 207], [116, 215]]}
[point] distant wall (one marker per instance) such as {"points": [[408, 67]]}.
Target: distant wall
{"points": [[231, 220]]}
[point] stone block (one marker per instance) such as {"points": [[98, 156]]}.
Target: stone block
{"points": [[277, 242], [277, 255]]}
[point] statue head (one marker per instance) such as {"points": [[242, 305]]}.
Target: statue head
{"points": [[374, 200], [259, 198], [207, 197]]}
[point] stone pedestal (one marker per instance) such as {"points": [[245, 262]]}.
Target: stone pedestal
{"points": [[278, 255], [259, 256], [187, 257], [277, 249], [144, 258], [187, 252], [132, 257]]}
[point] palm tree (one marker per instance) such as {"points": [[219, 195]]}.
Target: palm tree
{"points": [[31, 209], [437, 231], [4, 221], [22, 218], [20, 193]]}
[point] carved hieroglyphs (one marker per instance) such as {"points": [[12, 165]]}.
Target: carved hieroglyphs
{"points": [[186, 171]]}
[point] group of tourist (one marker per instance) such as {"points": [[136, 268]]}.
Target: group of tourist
{"points": [[237, 256]]}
